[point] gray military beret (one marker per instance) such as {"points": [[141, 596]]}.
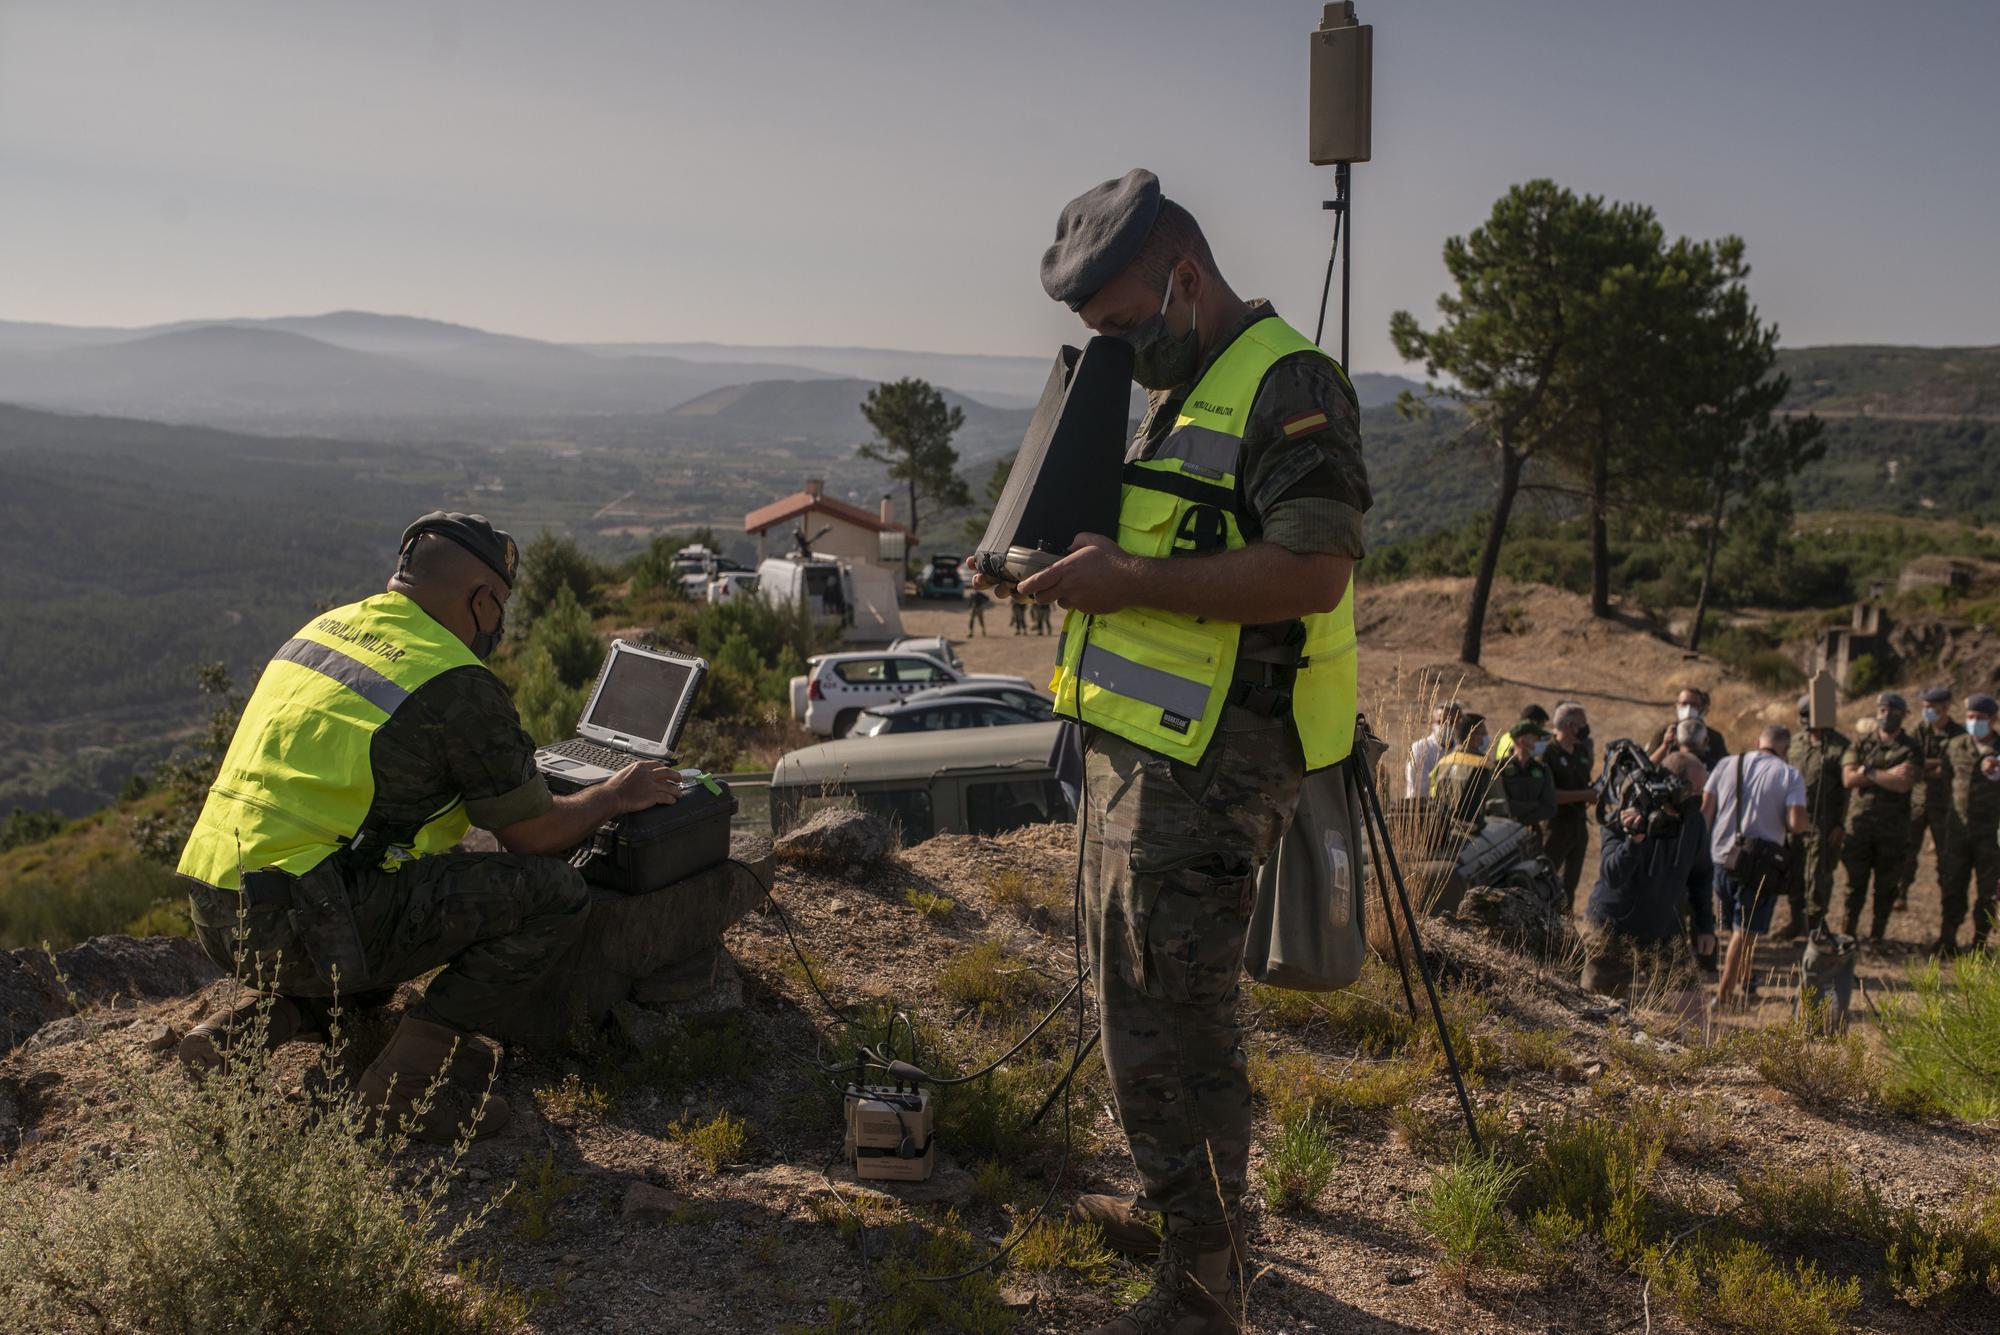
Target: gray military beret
{"points": [[1981, 704], [1098, 234], [1937, 695], [1893, 701]]}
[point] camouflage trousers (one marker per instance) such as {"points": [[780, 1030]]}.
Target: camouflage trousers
{"points": [[1569, 839], [1969, 859], [495, 923], [1928, 811], [1809, 873], [1873, 851], [1170, 858]]}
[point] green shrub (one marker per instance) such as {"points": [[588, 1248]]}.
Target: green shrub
{"points": [[1867, 674], [1599, 1171], [234, 1207], [1464, 1210], [1298, 1165], [1943, 1038], [1297, 1087], [930, 903], [986, 978], [1739, 1286], [539, 1187], [713, 1143], [120, 892], [552, 565], [1065, 1246], [29, 827]]}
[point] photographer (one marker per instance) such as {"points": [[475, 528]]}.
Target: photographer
{"points": [[1653, 865], [1752, 801]]}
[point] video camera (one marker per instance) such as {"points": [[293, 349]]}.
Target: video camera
{"points": [[1632, 782]]}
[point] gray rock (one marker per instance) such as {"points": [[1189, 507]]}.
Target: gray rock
{"points": [[837, 839], [108, 967], [643, 1030], [648, 1204], [29, 998], [72, 1029], [159, 1037]]}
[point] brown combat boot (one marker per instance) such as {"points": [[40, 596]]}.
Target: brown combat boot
{"points": [[1196, 1289], [453, 1069], [207, 1044], [1127, 1229]]}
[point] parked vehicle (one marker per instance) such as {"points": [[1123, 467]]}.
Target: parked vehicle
{"points": [[824, 584], [941, 579], [939, 647], [837, 687], [946, 715], [729, 585], [1037, 707], [978, 781]]}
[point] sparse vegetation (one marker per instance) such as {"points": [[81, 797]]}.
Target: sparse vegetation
{"points": [[539, 1187], [1068, 1246], [1464, 1211], [233, 1207], [713, 1143], [1035, 899], [1297, 1165], [1943, 1039], [986, 978], [1739, 1286], [930, 903]]}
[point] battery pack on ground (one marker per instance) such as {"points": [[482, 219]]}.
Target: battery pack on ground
{"points": [[889, 1134]]}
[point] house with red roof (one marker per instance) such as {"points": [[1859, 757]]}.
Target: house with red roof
{"points": [[850, 532]]}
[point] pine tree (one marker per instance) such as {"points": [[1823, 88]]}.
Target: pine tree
{"points": [[916, 425]]}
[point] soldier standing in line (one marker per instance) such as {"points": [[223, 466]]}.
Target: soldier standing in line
{"points": [[1208, 660], [1569, 761], [1970, 849], [1930, 801], [1880, 770], [1523, 789], [1817, 754]]}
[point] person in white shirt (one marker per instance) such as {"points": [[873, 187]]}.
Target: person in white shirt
{"points": [[1751, 801], [1424, 752]]}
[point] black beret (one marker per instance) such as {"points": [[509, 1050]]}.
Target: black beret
{"points": [[1937, 695], [1098, 234], [1981, 704], [1535, 714], [1527, 727], [1893, 701], [476, 534]]}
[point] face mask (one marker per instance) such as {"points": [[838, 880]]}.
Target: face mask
{"points": [[484, 642], [1539, 748], [1686, 711], [1978, 727], [1930, 715], [1159, 360], [1478, 745]]}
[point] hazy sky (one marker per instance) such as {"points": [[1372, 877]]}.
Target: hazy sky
{"points": [[864, 172]]}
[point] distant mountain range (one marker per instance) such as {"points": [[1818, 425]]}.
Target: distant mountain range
{"points": [[360, 373]]}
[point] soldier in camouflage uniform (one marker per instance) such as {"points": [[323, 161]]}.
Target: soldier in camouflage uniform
{"points": [[317, 912], [1879, 771], [1171, 849], [1930, 802], [1817, 755], [1969, 853], [1569, 760]]}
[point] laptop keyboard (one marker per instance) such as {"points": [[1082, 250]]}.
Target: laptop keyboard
{"points": [[590, 753]]}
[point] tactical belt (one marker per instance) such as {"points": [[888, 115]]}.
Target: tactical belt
{"points": [[1264, 677]]}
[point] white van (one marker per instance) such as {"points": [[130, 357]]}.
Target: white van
{"points": [[727, 586], [860, 600]]}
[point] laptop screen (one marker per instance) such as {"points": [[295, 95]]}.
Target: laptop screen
{"points": [[640, 696]]}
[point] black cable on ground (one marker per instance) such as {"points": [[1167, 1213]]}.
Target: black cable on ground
{"points": [[1373, 803]]}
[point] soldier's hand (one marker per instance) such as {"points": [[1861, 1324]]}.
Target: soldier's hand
{"points": [[1096, 576], [1904, 771], [642, 784], [1836, 837], [1990, 767]]}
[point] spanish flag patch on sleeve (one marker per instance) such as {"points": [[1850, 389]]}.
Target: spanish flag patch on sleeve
{"points": [[1304, 422]]}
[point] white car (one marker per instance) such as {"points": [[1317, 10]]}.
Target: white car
{"points": [[837, 687], [728, 585], [931, 646]]}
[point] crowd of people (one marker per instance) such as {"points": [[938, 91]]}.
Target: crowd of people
{"points": [[1699, 843]]}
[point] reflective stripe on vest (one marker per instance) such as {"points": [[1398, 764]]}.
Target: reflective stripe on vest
{"points": [[296, 783], [1161, 679]]}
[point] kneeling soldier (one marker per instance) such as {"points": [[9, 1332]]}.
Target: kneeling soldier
{"points": [[319, 866]]}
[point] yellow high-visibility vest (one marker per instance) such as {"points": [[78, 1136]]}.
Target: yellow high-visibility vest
{"points": [[1160, 679], [296, 785]]}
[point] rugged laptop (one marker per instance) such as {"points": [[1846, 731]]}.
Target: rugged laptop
{"points": [[636, 712]]}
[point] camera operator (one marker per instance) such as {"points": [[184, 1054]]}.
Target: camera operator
{"points": [[1653, 867]]}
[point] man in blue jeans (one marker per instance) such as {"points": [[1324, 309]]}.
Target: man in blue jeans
{"points": [[1752, 801]]}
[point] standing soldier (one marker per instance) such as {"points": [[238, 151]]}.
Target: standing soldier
{"points": [[1970, 848], [1930, 801], [1208, 656], [1809, 881], [1880, 770], [1523, 788], [1569, 761]]}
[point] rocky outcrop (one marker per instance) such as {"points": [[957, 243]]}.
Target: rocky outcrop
{"points": [[102, 970], [836, 839]]}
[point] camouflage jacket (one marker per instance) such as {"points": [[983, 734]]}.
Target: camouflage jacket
{"points": [[1930, 739], [1569, 770], [1975, 798], [1867, 808], [1818, 763], [457, 739]]}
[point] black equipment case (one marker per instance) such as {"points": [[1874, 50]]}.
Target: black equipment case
{"points": [[648, 849]]}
